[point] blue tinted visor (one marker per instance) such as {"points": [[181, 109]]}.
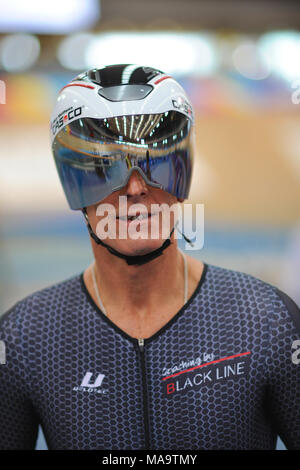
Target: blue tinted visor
{"points": [[95, 157]]}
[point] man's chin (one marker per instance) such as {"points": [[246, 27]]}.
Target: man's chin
{"points": [[138, 247]]}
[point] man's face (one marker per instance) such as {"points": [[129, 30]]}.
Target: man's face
{"points": [[116, 215]]}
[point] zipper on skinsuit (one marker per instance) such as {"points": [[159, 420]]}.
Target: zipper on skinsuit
{"points": [[145, 398], [141, 344]]}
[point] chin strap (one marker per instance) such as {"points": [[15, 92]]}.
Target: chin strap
{"points": [[139, 259]]}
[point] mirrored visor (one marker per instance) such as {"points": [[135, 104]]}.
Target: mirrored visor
{"points": [[95, 157]]}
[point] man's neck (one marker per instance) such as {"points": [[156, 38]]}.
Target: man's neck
{"points": [[140, 300], [140, 288]]}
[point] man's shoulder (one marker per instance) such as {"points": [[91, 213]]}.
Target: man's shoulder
{"points": [[43, 301], [235, 280], [247, 289]]}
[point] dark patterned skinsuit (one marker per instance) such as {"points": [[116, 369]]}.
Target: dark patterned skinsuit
{"points": [[223, 373]]}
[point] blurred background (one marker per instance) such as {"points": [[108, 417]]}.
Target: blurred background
{"points": [[240, 65]]}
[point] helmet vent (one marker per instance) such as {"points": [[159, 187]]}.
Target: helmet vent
{"points": [[125, 92]]}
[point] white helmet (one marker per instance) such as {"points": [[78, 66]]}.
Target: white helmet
{"points": [[108, 122]]}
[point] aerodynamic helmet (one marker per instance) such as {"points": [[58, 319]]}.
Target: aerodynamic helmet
{"points": [[110, 121]]}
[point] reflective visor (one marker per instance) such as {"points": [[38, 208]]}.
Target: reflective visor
{"points": [[95, 157]]}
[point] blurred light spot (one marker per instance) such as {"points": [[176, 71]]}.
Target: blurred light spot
{"points": [[72, 51], [283, 51], [19, 52], [54, 17], [250, 61], [177, 53]]}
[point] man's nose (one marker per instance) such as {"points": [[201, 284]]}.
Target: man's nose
{"points": [[136, 186]]}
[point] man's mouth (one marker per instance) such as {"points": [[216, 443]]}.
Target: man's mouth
{"points": [[140, 216]]}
